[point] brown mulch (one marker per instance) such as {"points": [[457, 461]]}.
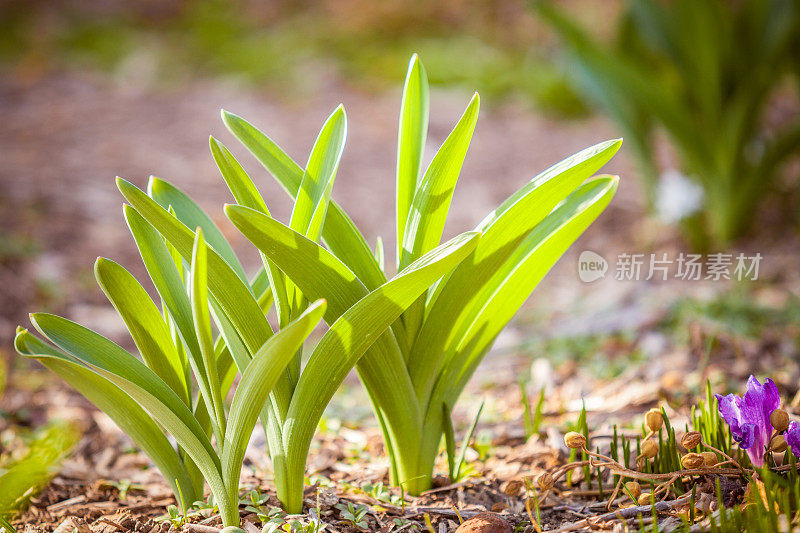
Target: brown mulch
{"points": [[76, 499]]}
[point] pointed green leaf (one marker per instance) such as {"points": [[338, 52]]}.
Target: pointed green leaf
{"points": [[412, 131], [193, 216], [246, 194], [317, 272], [343, 345], [160, 265], [202, 326], [257, 381], [125, 412], [145, 324], [312, 199], [508, 289], [132, 376], [234, 296], [510, 286], [241, 186], [338, 231], [503, 230], [428, 211]]}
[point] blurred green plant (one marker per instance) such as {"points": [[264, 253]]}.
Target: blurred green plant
{"points": [[739, 313], [531, 418], [705, 72], [417, 371], [355, 515], [13, 247], [26, 471]]}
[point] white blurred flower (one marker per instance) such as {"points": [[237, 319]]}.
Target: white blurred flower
{"points": [[677, 197]]}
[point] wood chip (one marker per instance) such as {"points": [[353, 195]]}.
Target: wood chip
{"points": [[198, 528], [67, 503], [251, 527], [73, 525]]}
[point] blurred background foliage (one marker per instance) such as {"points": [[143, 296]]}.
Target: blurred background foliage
{"points": [[484, 46], [29, 458], [719, 79]]}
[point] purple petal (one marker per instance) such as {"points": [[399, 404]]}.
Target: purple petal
{"points": [[729, 410], [793, 438], [764, 397], [756, 457], [747, 436], [748, 416]]}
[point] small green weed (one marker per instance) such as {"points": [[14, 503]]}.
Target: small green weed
{"points": [[174, 516], [355, 515], [532, 419]]}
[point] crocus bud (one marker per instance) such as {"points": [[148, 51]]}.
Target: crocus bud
{"points": [[649, 449], [709, 459], [779, 420], [545, 481], [692, 461], [574, 440], [691, 440], [512, 487], [778, 444], [633, 489], [645, 498], [653, 419]]}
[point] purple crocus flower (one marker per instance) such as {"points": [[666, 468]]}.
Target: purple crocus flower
{"points": [[793, 438], [748, 416]]}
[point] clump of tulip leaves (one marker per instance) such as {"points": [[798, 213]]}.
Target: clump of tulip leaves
{"points": [[415, 338]]}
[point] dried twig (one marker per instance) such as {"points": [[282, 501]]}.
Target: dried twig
{"points": [[625, 514], [199, 528]]}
